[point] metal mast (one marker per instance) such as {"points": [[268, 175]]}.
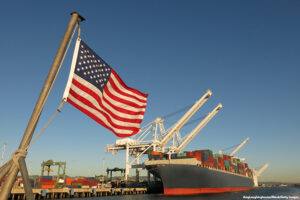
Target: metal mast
{"points": [[185, 118], [11, 168], [199, 127], [239, 147], [3, 152], [258, 173]]}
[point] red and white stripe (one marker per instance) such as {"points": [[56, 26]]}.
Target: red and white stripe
{"points": [[119, 108]]}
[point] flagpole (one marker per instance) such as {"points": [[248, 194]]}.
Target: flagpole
{"points": [[8, 184]]}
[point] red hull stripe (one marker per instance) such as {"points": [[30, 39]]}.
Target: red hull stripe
{"points": [[191, 191]]}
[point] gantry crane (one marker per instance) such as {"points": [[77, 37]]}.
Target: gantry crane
{"points": [[161, 136], [256, 173], [61, 172], [116, 169], [239, 147], [185, 118], [198, 128]]}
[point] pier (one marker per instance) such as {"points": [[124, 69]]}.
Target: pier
{"points": [[60, 193]]}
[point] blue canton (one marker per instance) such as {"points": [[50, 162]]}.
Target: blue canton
{"points": [[91, 67]]}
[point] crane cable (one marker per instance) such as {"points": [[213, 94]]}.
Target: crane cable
{"points": [[177, 111], [230, 147]]}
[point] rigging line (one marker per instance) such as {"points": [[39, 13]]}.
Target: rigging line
{"points": [[178, 111], [51, 119], [230, 147], [61, 104], [195, 120]]}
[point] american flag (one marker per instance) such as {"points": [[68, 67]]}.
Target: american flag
{"points": [[96, 89]]}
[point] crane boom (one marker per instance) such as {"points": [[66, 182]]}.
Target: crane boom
{"points": [[261, 170], [199, 127], [186, 117], [258, 173], [239, 147]]}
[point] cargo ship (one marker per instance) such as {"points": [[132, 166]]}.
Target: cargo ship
{"points": [[200, 172], [189, 172]]}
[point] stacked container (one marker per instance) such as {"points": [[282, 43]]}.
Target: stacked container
{"points": [[68, 182], [46, 182]]}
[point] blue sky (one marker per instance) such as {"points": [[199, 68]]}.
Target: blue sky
{"points": [[246, 52]]}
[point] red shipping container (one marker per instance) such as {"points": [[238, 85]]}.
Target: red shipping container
{"points": [[198, 158], [206, 163], [68, 181], [198, 153], [220, 160], [188, 153]]}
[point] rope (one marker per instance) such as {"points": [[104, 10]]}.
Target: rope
{"points": [[51, 119], [16, 155], [63, 58], [23, 152]]}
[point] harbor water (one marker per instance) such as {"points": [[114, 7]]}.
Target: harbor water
{"points": [[257, 193]]}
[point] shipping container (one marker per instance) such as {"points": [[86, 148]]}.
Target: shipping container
{"points": [[68, 181], [47, 186], [155, 153], [46, 177]]}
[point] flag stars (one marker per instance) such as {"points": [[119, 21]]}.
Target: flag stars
{"points": [[92, 68]]}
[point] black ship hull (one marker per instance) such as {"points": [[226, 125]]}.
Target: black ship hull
{"points": [[182, 179]]}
